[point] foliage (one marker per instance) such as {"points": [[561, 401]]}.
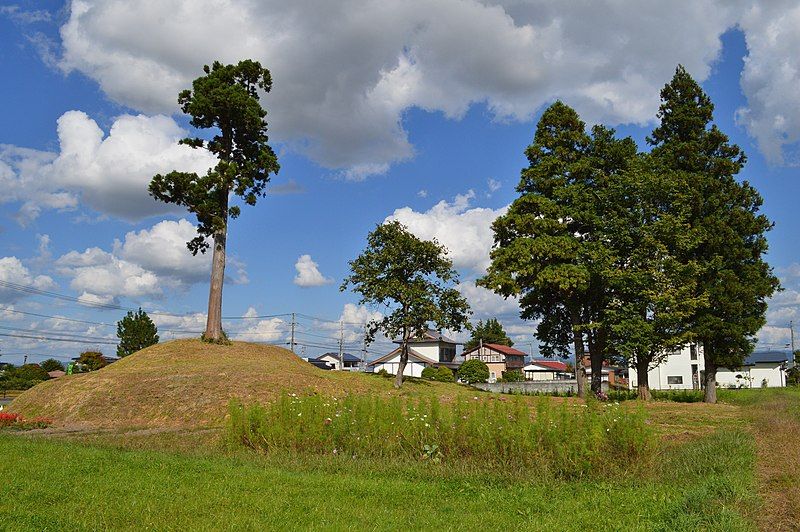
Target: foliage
{"points": [[51, 364], [513, 375], [226, 101], [676, 396], [733, 278], [562, 440], [135, 332], [413, 279], [549, 248], [490, 332], [793, 376], [429, 372], [473, 371], [445, 374], [91, 361], [26, 372]]}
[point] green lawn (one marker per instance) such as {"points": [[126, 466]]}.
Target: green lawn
{"points": [[56, 485]]}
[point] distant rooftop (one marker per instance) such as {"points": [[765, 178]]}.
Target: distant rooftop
{"points": [[347, 357], [766, 356]]}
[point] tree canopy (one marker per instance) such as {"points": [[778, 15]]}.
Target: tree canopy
{"points": [[135, 332], [733, 277], [225, 99], [489, 332], [412, 279]]}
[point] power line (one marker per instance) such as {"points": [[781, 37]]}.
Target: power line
{"points": [[49, 339]]}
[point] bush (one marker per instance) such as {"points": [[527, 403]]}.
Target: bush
{"points": [[91, 361], [473, 371], [563, 439], [16, 422], [445, 374], [514, 375], [51, 364], [429, 373]]}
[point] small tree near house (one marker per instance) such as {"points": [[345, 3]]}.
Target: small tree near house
{"points": [[489, 332], [412, 279], [135, 332], [473, 371], [51, 364], [91, 361], [225, 99]]}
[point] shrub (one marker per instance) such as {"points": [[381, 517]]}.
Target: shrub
{"points": [[429, 373], [473, 371], [514, 375], [563, 439], [51, 364], [445, 374], [13, 421], [91, 361]]}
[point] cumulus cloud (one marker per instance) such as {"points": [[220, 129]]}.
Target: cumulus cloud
{"points": [[344, 107], [770, 79], [485, 303], [308, 273], [465, 232], [146, 263], [13, 271], [107, 173]]}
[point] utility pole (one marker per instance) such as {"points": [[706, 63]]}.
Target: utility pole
{"points": [[25, 360], [364, 351], [341, 345], [291, 344], [791, 333]]}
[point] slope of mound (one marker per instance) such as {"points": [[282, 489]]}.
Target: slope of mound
{"points": [[185, 383]]}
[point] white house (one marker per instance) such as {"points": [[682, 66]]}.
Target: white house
{"points": [[760, 369], [680, 370], [433, 349], [545, 370], [348, 363]]}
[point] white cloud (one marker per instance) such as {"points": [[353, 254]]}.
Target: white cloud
{"points": [[422, 193], [465, 232], [267, 331], [493, 185], [308, 273], [344, 107], [13, 271], [107, 173], [147, 263], [485, 303], [162, 250], [770, 79]]}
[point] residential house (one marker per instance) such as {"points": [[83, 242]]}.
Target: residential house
{"points": [[348, 362], [546, 370], [499, 358], [56, 373], [432, 349], [680, 370], [760, 369]]}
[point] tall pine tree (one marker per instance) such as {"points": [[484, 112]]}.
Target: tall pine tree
{"points": [[733, 278]]}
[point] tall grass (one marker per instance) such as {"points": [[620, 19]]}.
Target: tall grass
{"points": [[565, 440]]}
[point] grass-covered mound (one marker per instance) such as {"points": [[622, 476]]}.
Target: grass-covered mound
{"points": [[190, 383]]}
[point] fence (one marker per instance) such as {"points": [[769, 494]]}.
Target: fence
{"points": [[535, 387]]}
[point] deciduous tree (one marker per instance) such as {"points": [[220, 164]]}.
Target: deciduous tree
{"points": [[225, 99], [412, 279], [51, 364]]}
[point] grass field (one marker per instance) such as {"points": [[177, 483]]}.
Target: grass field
{"points": [[730, 466]]}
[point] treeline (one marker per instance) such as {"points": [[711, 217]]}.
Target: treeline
{"points": [[629, 254]]}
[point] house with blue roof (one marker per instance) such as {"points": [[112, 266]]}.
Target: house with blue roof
{"points": [[331, 360], [762, 369]]}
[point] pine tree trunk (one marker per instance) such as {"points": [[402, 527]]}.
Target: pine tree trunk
{"points": [[214, 321], [580, 371], [710, 379], [398, 379], [643, 380]]}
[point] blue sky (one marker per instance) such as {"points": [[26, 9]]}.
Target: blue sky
{"points": [[420, 125]]}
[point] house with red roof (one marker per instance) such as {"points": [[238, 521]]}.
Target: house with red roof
{"points": [[546, 370], [499, 358]]}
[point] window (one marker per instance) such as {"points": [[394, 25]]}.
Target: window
{"points": [[675, 379], [693, 351]]}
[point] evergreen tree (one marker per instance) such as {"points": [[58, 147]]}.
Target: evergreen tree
{"points": [[490, 332], [225, 99], [135, 332], [549, 248], [733, 277]]}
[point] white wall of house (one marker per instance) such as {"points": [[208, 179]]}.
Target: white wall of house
{"points": [[538, 375], [428, 350], [678, 371], [753, 376], [412, 369]]}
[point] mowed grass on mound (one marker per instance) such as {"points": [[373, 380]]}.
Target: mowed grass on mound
{"points": [[189, 383]]}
